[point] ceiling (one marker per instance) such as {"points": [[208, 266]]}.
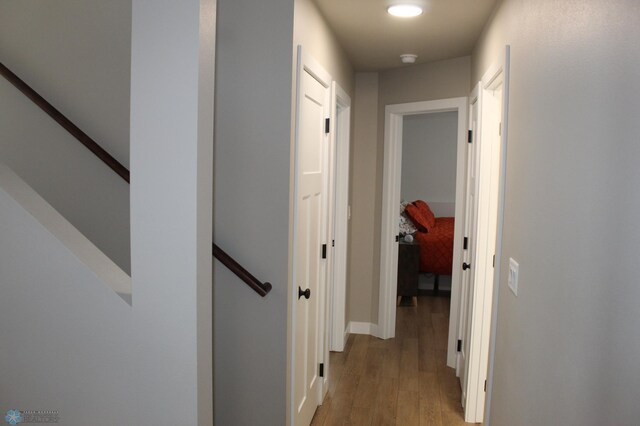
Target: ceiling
{"points": [[374, 40]]}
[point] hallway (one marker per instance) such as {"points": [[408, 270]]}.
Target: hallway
{"points": [[401, 381]]}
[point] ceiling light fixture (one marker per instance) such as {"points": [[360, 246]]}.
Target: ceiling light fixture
{"points": [[408, 58], [404, 10]]}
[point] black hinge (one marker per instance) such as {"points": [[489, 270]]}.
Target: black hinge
{"points": [[322, 370], [459, 349], [470, 136], [494, 260], [327, 126], [485, 385], [465, 243], [397, 238], [333, 243], [324, 251]]}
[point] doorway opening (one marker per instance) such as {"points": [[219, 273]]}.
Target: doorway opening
{"points": [[391, 196], [428, 179]]}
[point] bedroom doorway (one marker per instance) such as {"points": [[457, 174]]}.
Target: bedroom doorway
{"points": [[429, 148], [394, 118]]}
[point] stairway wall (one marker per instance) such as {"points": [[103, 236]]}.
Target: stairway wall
{"points": [[66, 335], [77, 55]]}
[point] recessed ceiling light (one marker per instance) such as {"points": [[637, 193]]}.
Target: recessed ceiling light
{"points": [[404, 10]]}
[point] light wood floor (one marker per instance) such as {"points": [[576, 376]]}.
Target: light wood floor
{"points": [[401, 381]]}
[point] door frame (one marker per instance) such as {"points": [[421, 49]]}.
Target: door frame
{"points": [[394, 115], [502, 65], [339, 170]]}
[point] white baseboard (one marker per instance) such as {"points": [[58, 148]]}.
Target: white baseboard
{"points": [[356, 327]]}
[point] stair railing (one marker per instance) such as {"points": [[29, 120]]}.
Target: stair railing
{"points": [[259, 287]]}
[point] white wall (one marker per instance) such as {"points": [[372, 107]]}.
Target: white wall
{"points": [[66, 335], [251, 220], [172, 74], [567, 345], [77, 55], [429, 146]]}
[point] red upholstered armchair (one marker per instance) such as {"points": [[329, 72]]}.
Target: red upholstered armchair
{"points": [[435, 236]]}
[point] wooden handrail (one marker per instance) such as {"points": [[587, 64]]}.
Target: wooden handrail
{"points": [[261, 288], [75, 131]]}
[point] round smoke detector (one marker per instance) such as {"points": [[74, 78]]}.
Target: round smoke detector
{"points": [[408, 58]]}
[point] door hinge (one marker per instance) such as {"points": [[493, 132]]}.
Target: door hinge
{"points": [[324, 251], [500, 129], [459, 348], [321, 372], [327, 125], [465, 243], [494, 260], [333, 243], [485, 385], [397, 238], [470, 136]]}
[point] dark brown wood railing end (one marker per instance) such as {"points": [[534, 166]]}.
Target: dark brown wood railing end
{"points": [[261, 288]]}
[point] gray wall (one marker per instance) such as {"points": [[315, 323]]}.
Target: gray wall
{"points": [[363, 195], [431, 81], [566, 347], [251, 198], [429, 146], [77, 55], [255, 97]]}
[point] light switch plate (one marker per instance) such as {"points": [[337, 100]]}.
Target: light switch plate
{"points": [[513, 275]]}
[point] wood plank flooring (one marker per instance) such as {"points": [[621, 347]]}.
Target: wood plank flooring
{"points": [[401, 381]]}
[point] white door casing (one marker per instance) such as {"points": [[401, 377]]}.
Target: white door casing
{"points": [[310, 233], [391, 201], [502, 67], [340, 142]]}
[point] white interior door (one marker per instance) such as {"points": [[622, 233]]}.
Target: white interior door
{"points": [[478, 278], [487, 217], [471, 207], [310, 230]]}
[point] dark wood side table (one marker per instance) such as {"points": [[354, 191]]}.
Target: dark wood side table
{"points": [[408, 268]]}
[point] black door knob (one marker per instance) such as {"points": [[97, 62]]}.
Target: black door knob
{"points": [[465, 266], [306, 293]]}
